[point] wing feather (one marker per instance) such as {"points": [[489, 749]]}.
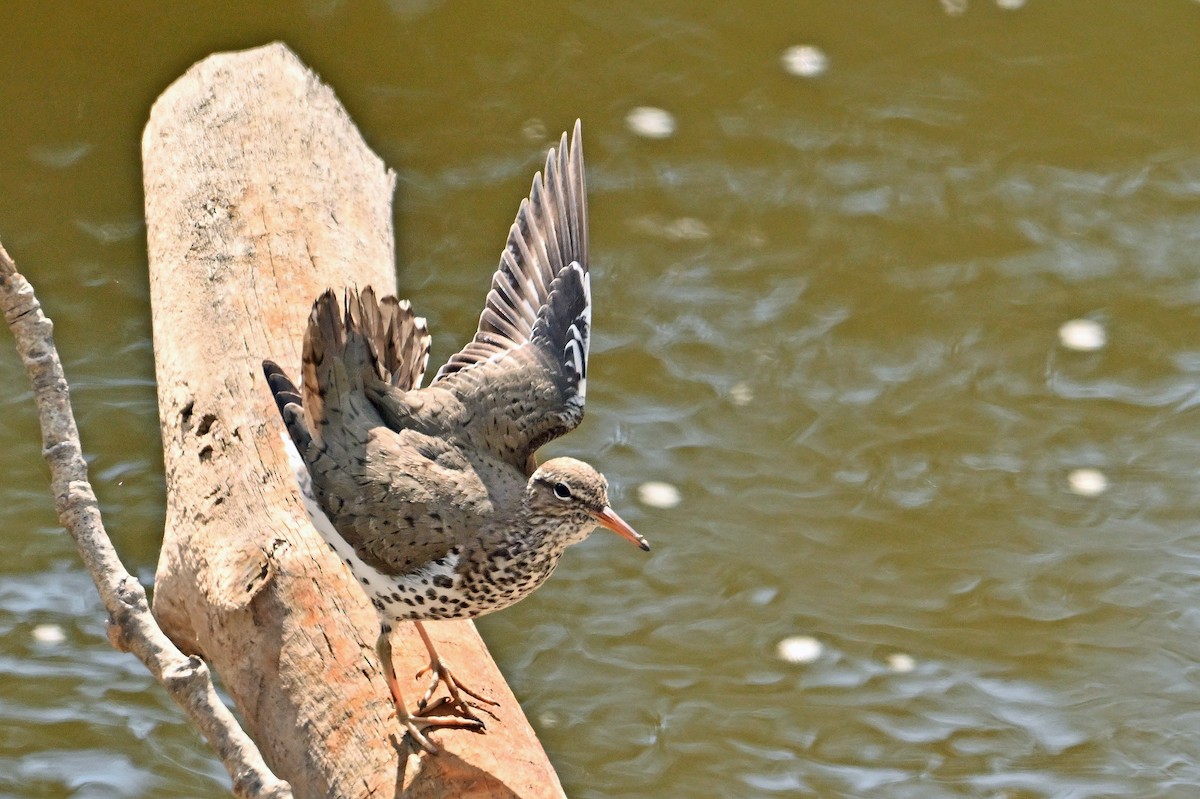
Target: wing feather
{"points": [[524, 372]]}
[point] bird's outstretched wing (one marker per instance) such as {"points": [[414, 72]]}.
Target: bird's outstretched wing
{"points": [[373, 341], [524, 375]]}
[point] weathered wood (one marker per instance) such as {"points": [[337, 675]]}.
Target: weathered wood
{"points": [[131, 627], [260, 193]]}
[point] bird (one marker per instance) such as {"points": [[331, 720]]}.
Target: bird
{"points": [[432, 495]]}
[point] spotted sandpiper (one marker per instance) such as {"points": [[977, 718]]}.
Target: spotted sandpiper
{"points": [[432, 496]]}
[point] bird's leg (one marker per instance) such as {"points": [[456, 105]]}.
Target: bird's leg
{"points": [[414, 724], [442, 675]]}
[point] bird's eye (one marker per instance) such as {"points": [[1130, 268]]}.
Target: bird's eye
{"points": [[562, 491]]}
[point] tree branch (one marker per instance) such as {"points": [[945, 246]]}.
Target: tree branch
{"points": [[131, 627]]}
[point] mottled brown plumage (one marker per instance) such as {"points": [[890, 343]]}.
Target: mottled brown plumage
{"points": [[432, 495]]}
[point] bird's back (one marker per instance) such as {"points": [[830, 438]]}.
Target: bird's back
{"points": [[398, 490]]}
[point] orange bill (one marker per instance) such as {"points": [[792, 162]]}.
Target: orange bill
{"points": [[607, 518]]}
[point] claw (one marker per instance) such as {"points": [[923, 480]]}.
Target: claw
{"points": [[415, 726], [442, 676]]}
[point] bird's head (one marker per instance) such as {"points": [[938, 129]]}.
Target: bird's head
{"points": [[576, 495]]}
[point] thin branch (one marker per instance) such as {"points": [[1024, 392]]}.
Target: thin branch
{"points": [[132, 628]]}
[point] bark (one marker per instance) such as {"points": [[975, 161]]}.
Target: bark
{"points": [[260, 193]]}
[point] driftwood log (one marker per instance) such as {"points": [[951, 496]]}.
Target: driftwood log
{"points": [[260, 193]]}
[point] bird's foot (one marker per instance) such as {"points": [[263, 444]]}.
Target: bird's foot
{"points": [[416, 725], [442, 676]]}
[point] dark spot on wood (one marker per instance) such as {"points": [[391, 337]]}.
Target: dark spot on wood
{"points": [[206, 453], [206, 423]]}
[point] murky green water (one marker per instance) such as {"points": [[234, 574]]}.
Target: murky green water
{"points": [[827, 311]]}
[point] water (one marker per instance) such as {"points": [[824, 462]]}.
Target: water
{"points": [[827, 312]]}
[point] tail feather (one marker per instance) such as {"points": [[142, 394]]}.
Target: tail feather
{"points": [[322, 371], [397, 339], [290, 405], [355, 344]]}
